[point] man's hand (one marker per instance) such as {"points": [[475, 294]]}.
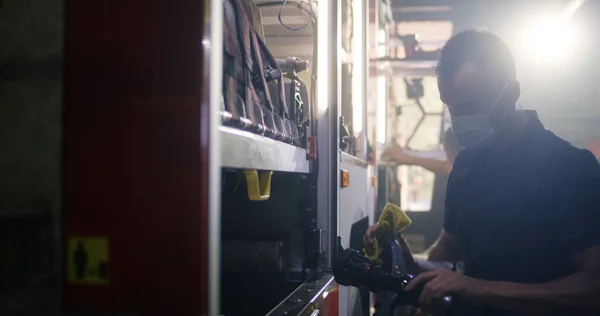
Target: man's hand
{"points": [[442, 282], [409, 261], [396, 154], [368, 239]]}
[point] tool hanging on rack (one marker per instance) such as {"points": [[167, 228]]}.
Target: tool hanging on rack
{"points": [[254, 91]]}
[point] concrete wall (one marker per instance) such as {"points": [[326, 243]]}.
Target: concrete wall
{"points": [[31, 42], [31, 48]]}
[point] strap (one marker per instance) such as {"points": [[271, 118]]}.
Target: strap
{"points": [[256, 53], [263, 80], [232, 63], [243, 32], [260, 46], [230, 43], [250, 46], [241, 21]]}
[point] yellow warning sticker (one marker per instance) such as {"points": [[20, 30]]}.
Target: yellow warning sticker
{"points": [[88, 260]]}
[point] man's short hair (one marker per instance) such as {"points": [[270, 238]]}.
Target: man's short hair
{"points": [[485, 50]]}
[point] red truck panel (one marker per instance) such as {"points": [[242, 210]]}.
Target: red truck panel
{"points": [[135, 162], [331, 305]]}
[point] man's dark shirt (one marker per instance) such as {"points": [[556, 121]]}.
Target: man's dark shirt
{"points": [[523, 214]]}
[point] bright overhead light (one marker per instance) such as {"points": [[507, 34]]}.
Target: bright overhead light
{"points": [[550, 39]]}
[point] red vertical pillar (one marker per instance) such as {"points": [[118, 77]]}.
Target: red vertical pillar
{"points": [[135, 170]]}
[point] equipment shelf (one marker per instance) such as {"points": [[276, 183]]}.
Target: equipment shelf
{"points": [[404, 68], [244, 150]]}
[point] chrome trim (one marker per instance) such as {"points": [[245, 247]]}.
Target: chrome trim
{"points": [[212, 42], [365, 83], [335, 44], [353, 160], [307, 298], [245, 150], [409, 68]]}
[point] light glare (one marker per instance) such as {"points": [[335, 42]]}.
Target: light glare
{"points": [[550, 39]]}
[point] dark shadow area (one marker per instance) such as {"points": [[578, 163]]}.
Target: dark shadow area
{"points": [[262, 245]]}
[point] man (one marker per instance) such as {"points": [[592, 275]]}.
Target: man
{"points": [[522, 205], [441, 167]]}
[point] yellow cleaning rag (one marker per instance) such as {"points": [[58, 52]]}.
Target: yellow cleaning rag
{"points": [[392, 220]]}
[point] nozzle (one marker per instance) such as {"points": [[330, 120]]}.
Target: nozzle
{"points": [[292, 65]]}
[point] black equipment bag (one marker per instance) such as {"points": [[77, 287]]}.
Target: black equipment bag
{"points": [[250, 75], [296, 97], [255, 17], [241, 103]]}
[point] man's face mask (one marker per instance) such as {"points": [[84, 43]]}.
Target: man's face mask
{"points": [[474, 129]]}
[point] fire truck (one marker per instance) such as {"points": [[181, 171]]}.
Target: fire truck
{"points": [[204, 211], [326, 192]]}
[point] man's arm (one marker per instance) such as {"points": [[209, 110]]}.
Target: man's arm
{"points": [[581, 290], [399, 156], [447, 248], [581, 231], [580, 241], [441, 167], [578, 293], [442, 255]]}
